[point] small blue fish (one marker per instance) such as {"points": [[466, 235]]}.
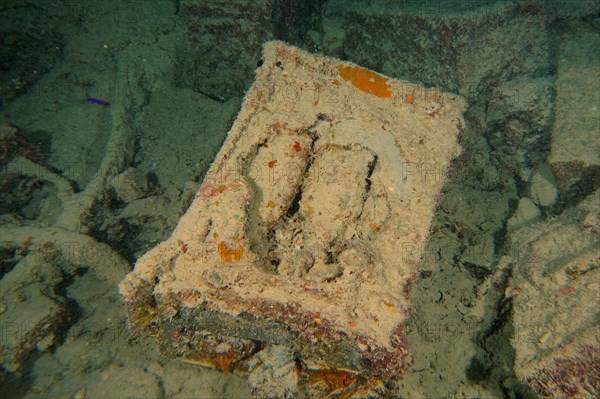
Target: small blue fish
{"points": [[93, 100]]}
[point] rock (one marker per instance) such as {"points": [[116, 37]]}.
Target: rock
{"points": [[325, 159], [592, 222], [321, 272], [519, 117], [542, 187], [526, 99], [34, 315], [41, 264], [212, 66], [130, 185], [470, 50], [525, 213], [494, 54], [276, 374], [293, 21], [479, 256], [575, 149], [555, 285], [72, 251], [10, 142], [504, 42]]}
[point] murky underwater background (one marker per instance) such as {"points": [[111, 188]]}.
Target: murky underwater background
{"points": [[112, 111]]}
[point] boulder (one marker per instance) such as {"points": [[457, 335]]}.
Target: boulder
{"points": [[575, 149], [222, 45], [130, 185], [525, 213], [555, 285], [542, 187]]}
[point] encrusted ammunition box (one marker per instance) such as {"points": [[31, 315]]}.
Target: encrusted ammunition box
{"points": [[308, 228]]}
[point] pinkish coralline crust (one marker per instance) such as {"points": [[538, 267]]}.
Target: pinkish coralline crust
{"points": [[576, 374], [569, 174], [307, 230], [554, 291]]}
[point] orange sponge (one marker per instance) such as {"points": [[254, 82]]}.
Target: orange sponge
{"points": [[366, 80]]}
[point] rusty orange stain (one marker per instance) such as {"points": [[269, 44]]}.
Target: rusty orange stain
{"points": [[272, 163], [365, 80], [230, 254], [224, 361], [334, 379], [28, 242], [297, 146], [410, 98]]}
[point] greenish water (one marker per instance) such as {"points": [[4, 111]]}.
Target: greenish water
{"points": [[112, 112]]}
